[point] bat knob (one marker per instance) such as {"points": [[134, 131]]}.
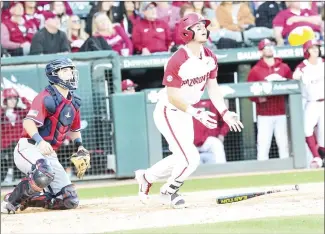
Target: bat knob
{"points": [[297, 187]]}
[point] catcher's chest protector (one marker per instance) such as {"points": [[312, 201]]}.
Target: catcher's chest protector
{"points": [[61, 114]]}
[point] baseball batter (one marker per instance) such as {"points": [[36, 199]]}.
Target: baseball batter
{"points": [[54, 113], [311, 74], [190, 69], [271, 118]]}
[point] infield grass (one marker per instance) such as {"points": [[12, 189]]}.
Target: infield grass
{"points": [[211, 184], [311, 224]]}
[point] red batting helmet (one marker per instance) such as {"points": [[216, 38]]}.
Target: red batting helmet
{"points": [[263, 43], [10, 92], [186, 22], [309, 44]]}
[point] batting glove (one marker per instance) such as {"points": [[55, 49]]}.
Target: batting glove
{"points": [[203, 116], [232, 119]]}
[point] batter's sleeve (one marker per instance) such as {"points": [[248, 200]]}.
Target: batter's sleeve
{"points": [[37, 111], [171, 77], [76, 125]]}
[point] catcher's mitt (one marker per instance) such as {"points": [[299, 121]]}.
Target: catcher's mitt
{"points": [[81, 160]]}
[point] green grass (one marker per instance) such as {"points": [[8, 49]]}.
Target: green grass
{"points": [[211, 184], [311, 224]]}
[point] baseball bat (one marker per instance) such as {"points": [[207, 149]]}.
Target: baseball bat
{"points": [[244, 196]]}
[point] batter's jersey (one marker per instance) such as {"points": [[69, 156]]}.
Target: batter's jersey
{"points": [[312, 79], [189, 73], [54, 116]]}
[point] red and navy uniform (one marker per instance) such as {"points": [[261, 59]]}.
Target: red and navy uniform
{"points": [[54, 115]]}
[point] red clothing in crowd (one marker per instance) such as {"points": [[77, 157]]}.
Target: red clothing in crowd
{"points": [[180, 3], [275, 105], [282, 17], [11, 133], [5, 14], [176, 37], [201, 132], [35, 19], [18, 33], [119, 40], [153, 35]]}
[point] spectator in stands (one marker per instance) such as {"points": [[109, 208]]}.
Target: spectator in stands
{"points": [[271, 111], [113, 34], [151, 35], [50, 40], [13, 111], [5, 14], [58, 9], [76, 33], [114, 13], [128, 86], [185, 9], [210, 141], [168, 13], [180, 3], [46, 6], [296, 23], [265, 12], [16, 32], [33, 15], [130, 17]]}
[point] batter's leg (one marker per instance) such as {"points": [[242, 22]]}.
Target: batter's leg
{"points": [[311, 118], [281, 136], [265, 129]]}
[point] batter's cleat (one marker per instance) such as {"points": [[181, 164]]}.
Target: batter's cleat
{"points": [[6, 206], [316, 163], [175, 200], [144, 186]]}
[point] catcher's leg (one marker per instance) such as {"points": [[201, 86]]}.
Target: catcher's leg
{"points": [[41, 176]]}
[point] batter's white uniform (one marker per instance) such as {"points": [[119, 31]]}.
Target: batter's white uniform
{"points": [[312, 87], [190, 74]]}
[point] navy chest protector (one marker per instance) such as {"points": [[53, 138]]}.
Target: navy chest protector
{"points": [[60, 116]]}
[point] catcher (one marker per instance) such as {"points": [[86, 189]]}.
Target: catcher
{"points": [[54, 113]]}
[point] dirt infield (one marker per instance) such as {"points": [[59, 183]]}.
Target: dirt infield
{"points": [[111, 214]]}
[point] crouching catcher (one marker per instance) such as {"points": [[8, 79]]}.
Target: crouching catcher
{"points": [[54, 115]]}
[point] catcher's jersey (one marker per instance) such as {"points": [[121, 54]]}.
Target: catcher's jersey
{"points": [[189, 73], [54, 116], [312, 79]]}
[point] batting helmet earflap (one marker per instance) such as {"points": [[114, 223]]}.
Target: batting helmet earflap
{"points": [[309, 44], [188, 21]]}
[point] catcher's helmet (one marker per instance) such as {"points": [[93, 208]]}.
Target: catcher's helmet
{"points": [[54, 66], [309, 44], [188, 21]]}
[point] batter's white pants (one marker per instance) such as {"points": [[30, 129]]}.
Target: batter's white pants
{"points": [[26, 154], [212, 151], [314, 115], [177, 128], [266, 126]]}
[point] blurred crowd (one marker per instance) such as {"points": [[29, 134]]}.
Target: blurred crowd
{"points": [[129, 28]]}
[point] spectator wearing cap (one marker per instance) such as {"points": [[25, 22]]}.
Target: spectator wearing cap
{"points": [[295, 25], [128, 86], [271, 111], [16, 32], [76, 33], [151, 35], [210, 142], [168, 13], [33, 15], [114, 34], [50, 40]]}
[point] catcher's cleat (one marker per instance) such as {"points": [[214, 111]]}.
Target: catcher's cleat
{"points": [[6, 206], [144, 186]]}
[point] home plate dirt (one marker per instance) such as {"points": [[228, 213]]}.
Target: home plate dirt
{"points": [[112, 214]]}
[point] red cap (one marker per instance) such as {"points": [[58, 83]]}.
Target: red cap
{"points": [[263, 43], [309, 44], [48, 15], [127, 84]]}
